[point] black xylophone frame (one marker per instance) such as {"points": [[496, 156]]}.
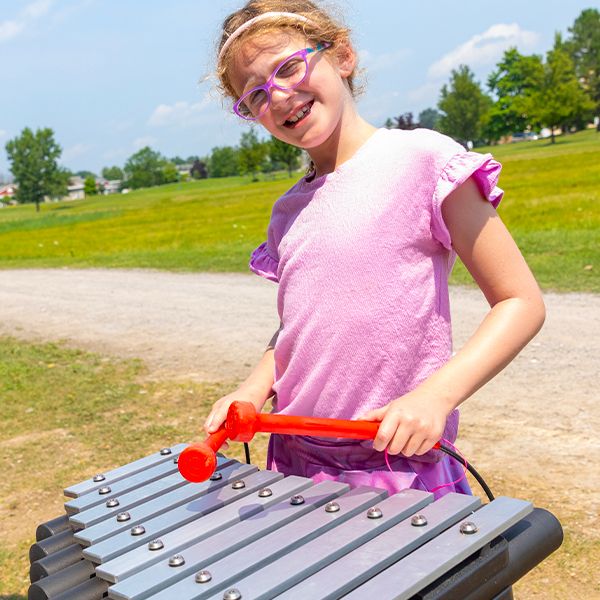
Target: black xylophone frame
{"points": [[230, 538]]}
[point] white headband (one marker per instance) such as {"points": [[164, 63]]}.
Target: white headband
{"points": [[244, 26]]}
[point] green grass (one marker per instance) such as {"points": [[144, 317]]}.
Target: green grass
{"points": [[66, 414], [551, 207]]}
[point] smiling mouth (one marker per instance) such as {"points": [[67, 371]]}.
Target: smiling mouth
{"points": [[300, 115]]}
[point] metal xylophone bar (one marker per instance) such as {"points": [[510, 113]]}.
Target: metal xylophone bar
{"points": [[246, 533]]}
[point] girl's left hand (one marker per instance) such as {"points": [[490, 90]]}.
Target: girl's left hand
{"points": [[410, 425]]}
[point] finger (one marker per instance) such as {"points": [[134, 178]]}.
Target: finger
{"points": [[385, 433], [398, 440], [372, 415], [425, 447], [413, 443]]}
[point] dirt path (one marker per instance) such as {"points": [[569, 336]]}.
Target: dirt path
{"points": [[541, 413]]}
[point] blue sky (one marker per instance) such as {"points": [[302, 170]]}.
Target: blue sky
{"points": [[111, 76]]}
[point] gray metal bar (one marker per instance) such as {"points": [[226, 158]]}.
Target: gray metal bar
{"points": [[438, 556], [89, 485], [285, 539], [180, 515], [138, 514], [284, 572], [134, 491], [151, 579], [357, 567]]}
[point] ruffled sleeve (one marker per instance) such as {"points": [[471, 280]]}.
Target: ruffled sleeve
{"points": [[482, 168], [263, 264]]}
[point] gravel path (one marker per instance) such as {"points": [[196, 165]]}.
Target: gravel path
{"points": [[542, 411]]}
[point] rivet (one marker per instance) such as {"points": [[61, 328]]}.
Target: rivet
{"points": [[98, 478], [138, 530], [165, 451], [264, 493], [468, 527], [176, 460], [156, 545], [203, 576], [332, 507], [176, 561], [104, 490], [297, 499], [112, 502], [238, 485], [123, 516], [418, 521], [232, 594], [216, 476], [374, 513]]}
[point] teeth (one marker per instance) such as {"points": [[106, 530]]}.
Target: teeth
{"points": [[298, 115]]}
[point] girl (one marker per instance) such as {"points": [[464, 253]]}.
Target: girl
{"points": [[362, 248]]}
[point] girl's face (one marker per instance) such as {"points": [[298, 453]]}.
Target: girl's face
{"points": [[321, 99]]}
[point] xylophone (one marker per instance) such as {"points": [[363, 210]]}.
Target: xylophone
{"points": [[143, 531]]}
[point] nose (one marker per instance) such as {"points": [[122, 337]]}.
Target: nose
{"points": [[280, 99]]}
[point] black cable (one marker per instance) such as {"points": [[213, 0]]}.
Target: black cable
{"points": [[470, 468], [247, 452]]}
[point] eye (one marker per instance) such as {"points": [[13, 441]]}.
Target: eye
{"points": [[256, 98], [290, 68]]}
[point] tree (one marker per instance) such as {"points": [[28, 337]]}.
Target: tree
{"points": [[89, 186], [145, 168], [84, 174], [560, 100], [513, 82], [112, 173], [252, 153], [198, 170], [33, 158], [223, 162], [464, 106], [429, 118], [289, 155], [584, 48], [170, 173]]}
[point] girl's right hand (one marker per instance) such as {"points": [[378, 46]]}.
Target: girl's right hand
{"points": [[218, 413]]}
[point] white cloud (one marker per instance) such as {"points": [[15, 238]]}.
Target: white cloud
{"points": [[3, 133], [484, 48], [142, 142], [13, 27], [180, 113], [374, 63]]}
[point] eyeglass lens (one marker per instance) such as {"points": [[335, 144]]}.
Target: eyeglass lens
{"points": [[289, 74]]}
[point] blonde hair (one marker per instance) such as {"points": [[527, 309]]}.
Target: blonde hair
{"points": [[316, 25]]}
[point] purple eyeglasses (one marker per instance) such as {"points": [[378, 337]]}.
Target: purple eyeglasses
{"points": [[288, 74]]}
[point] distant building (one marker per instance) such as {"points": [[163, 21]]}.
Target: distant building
{"points": [[75, 188], [7, 191], [110, 187]]}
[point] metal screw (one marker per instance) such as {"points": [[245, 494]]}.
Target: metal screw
{"points": [[332, 507], [297, 499], [468, 527], [165, 451], [216, 476], [112, 502], [374, 513], [98, 478], [238, 485], [176, 561], [123, 516], [203, 576], [176, 460], [418, 521], [156, 545], [232, 594], [264, 493], [104, 490], [138, 530]]}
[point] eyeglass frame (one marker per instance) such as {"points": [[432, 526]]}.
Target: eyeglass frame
{"points": [[270, 83]]}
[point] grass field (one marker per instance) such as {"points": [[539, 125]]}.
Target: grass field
{"points": [[551, 206]]}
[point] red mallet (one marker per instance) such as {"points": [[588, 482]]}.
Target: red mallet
{"points": [[198, 461]]}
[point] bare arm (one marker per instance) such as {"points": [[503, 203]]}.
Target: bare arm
{"points": [[413, 423], [257, 388]]}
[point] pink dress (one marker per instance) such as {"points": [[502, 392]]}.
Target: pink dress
{"points": [[362, 258]]}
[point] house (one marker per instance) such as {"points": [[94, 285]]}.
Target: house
{"points": [[7, 191], [75, 188], [110, 187]]}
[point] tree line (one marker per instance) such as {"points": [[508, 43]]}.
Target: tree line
{"points": [[524, 92]]}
